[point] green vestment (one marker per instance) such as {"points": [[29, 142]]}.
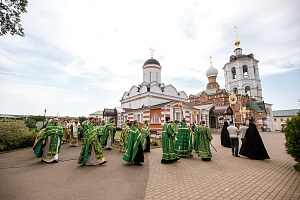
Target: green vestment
{"points": [[84, 129], [145, 133], [184, 142], [52, 133], [124, 136], [168, 142], [91, 146], [196, 138], [204, 141], [134, 140], [108, 132]]}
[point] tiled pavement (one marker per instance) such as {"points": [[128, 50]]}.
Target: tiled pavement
{"points": [[226, 177], [22, 176]]}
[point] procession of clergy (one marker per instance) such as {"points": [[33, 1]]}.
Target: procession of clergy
{"points": [[178, 140]]}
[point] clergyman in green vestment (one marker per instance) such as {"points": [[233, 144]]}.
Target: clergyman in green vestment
{"points": [[124, 136], [204, 138], [108, 134], [134, 151], [91, 152], [184, 142], [146, 137], [48, 145], [168, 142]]}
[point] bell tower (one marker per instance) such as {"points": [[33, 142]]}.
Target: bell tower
{"points": [[241, 73]]}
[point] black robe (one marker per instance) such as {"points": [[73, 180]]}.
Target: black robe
{"points": [[253, 146], [225, 139], [147, 149]]}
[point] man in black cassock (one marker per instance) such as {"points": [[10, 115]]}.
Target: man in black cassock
{"points": [[253, 146], [225, 139]]}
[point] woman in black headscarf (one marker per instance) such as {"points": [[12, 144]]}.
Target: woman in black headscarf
{"points": [[225, 139], [253, 146]]}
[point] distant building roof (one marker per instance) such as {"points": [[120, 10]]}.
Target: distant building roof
{"points": [[207, 91], [221, 110], [8, 116], [285, 113], [257, 106], [99, 112], [205, 107]]}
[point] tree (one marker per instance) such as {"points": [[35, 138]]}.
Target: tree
{"points": [[82, 119], [292, 136], [10, 11], [32, 120]]}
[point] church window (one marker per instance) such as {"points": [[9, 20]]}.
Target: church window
{"points": [[281, 119], [155, 118], [233, 73], [247, 91], [177, 116], [254, 71], [245, 71], [157, 76], [275, 119], [150, 77], [138, 117], [235, 90]]}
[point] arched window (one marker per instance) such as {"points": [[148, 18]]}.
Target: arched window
{"points": [[155, 118], [233, 73], [150, 77], [254, 71], [245, 71], [235, 90], [248, 91]]}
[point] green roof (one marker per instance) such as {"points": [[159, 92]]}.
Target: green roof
{"points": [[257, 106], [285, 113]]}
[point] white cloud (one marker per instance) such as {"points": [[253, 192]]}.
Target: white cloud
{"points": [[90, 53]]}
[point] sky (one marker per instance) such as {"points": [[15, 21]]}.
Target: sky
{"points": [[78, 57]]}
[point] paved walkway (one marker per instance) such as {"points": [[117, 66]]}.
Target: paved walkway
{"points": [[22, 176], [227, 177]]}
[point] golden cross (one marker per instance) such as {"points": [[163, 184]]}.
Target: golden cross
{"points": [[152, 50], [244, 111]]}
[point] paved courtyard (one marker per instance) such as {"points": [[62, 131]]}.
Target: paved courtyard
{"points": [[226, 177]]}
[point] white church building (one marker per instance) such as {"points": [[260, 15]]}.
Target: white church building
{"points": [[153, 100]]}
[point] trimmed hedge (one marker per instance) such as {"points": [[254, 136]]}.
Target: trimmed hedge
{"points": [[292, 136], [14, 135]]}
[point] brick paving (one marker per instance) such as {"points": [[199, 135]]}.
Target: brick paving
{"points": [[226, 177]]}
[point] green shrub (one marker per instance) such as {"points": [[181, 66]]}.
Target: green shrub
{"points": [[14, 135], [292, 136], [32, 120]]}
